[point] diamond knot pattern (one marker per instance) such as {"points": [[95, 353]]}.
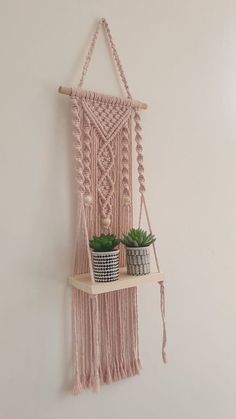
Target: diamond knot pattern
{"points": [[107, 117]]}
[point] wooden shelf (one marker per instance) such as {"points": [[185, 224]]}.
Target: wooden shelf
{"points": [[83, 282]]}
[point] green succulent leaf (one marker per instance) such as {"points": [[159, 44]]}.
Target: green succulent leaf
{"points": [[137, 237], [104, 243]]}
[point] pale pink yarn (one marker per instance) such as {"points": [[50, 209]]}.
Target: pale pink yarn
{"points": [[105, 327]]}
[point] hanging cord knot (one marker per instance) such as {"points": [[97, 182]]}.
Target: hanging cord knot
{"points": [[87, 160], [77, 146], [139, 149], [125, 165]]}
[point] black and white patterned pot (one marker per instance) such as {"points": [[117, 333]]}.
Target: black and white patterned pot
{"points": [[106, 266], [138, 260]]}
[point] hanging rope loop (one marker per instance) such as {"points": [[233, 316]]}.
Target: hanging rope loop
{"points": [[102, 22]]}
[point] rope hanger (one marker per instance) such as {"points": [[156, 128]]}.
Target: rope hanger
{"points": [[102, 23]]}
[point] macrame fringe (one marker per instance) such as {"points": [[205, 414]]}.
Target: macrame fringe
{"points": [[108, 353]]}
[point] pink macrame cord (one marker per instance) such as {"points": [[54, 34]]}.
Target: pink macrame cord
{"points": [[102, 355], [105, 327], [141, 179], [102, 22]]}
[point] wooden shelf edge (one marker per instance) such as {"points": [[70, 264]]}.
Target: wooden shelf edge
{"points": [[83, 282]]}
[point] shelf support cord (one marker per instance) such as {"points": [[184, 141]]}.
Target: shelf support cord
{"points": [[142, 189]]}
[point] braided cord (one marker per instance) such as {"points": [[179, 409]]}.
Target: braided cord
{"points": [[139, 149], [77, 146], [87, 155], [79, 170], [102, 22], [125, 161], [89, 55], [116, 56], [141, 179]]}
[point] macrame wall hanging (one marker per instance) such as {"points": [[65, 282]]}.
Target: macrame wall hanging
{"points": [[105, 316]]}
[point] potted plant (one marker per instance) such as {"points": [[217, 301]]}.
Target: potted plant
{"points": [[137, 243], [105, 257]]}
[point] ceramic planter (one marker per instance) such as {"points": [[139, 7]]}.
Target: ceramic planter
{"points": [[138, 260], [106, 266]]}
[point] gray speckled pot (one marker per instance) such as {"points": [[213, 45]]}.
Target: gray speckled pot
{"points": [[138, 260]]}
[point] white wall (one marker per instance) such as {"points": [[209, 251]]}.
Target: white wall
{"points": [[180, 57]]}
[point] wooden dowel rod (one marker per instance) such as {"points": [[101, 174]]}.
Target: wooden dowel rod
{"points": [[68, 90], [65, 90]]}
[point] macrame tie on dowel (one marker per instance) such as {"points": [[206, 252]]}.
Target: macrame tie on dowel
{"points": [[105, 327]]}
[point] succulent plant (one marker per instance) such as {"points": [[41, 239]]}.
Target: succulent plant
{"points": [[138, 237], [104, 243]]}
